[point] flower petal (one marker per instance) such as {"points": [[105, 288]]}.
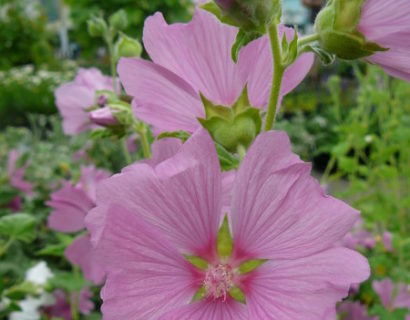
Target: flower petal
{"points": [[209, 310], [146, 276], [161, 98], [181, 196], [199, 52], [70, 207], [81, 253], [255, 61], [279, 211], [306, 288]]}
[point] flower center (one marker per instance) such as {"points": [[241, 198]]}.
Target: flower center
{"points": [[218, 281]]}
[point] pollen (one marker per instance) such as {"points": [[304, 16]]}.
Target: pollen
{"points": [[218, 281]]}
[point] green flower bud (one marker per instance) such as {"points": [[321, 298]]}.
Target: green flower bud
{"points": [[232, 127], [127, 47], [118, 20], [247, 14], [97, 27], [336, 26]]}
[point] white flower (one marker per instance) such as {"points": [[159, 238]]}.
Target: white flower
{"points": [[39, 274], [30, 307]]}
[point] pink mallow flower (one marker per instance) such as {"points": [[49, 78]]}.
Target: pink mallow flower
{"points": [[189, 59], [148, 217], [359, 237], [16, 179], [70, 205], [387, 22], [390, 297], [353, 311], [61, 308], [74, 98]]}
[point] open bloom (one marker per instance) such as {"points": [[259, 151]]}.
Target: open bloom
{"points": [[391, 298], [70, 205], [387, 23], [74, 98], [156, 232], [16, 179], [189, 59]]}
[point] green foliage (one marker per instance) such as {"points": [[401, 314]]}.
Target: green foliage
{"points": [[136, 12], [23, 35]]}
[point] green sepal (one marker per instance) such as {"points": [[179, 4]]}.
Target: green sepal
{"points": [[231, 127], [226, 159], [118, 20], [349, 46], [213, 8], [237, 294], [251, 265], [326, 57], [199, 294], [197, 262], [243, 38], [224, 243], [181, 134]]}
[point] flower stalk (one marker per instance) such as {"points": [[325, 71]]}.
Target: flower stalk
{"points": [[278, 72]]}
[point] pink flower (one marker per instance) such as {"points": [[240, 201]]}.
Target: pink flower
{"points": [[194, 58], [387, 241], [359, 237], [148, 217], [16, 179], [74, 98], [387, 23], [61, 308], [70, 206], [391, 298], [353, 311]]}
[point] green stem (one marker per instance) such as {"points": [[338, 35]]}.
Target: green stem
{"points": [[74, 299], [308, 39], [109, 40], [278, 72], [125, 151], [7, 245], [142, 131]]}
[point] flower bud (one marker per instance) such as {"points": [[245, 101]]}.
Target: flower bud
{"points": [[103, 117], [118, 20], [96, 27], [250, 14], [336, 26], [127, 47]]}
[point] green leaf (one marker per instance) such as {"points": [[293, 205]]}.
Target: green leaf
{"points": [[224, 242], [182, 135], [68, 281], [251, 265], [237, 294], [243, 38], [18, 292], [197, 261], [56, 250], [200, 294], [19, 226]]}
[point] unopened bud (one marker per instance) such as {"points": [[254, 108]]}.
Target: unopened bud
{"points": [[103, 117], [249, 14], [127, 47], [96, 27], [118, 20]]}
